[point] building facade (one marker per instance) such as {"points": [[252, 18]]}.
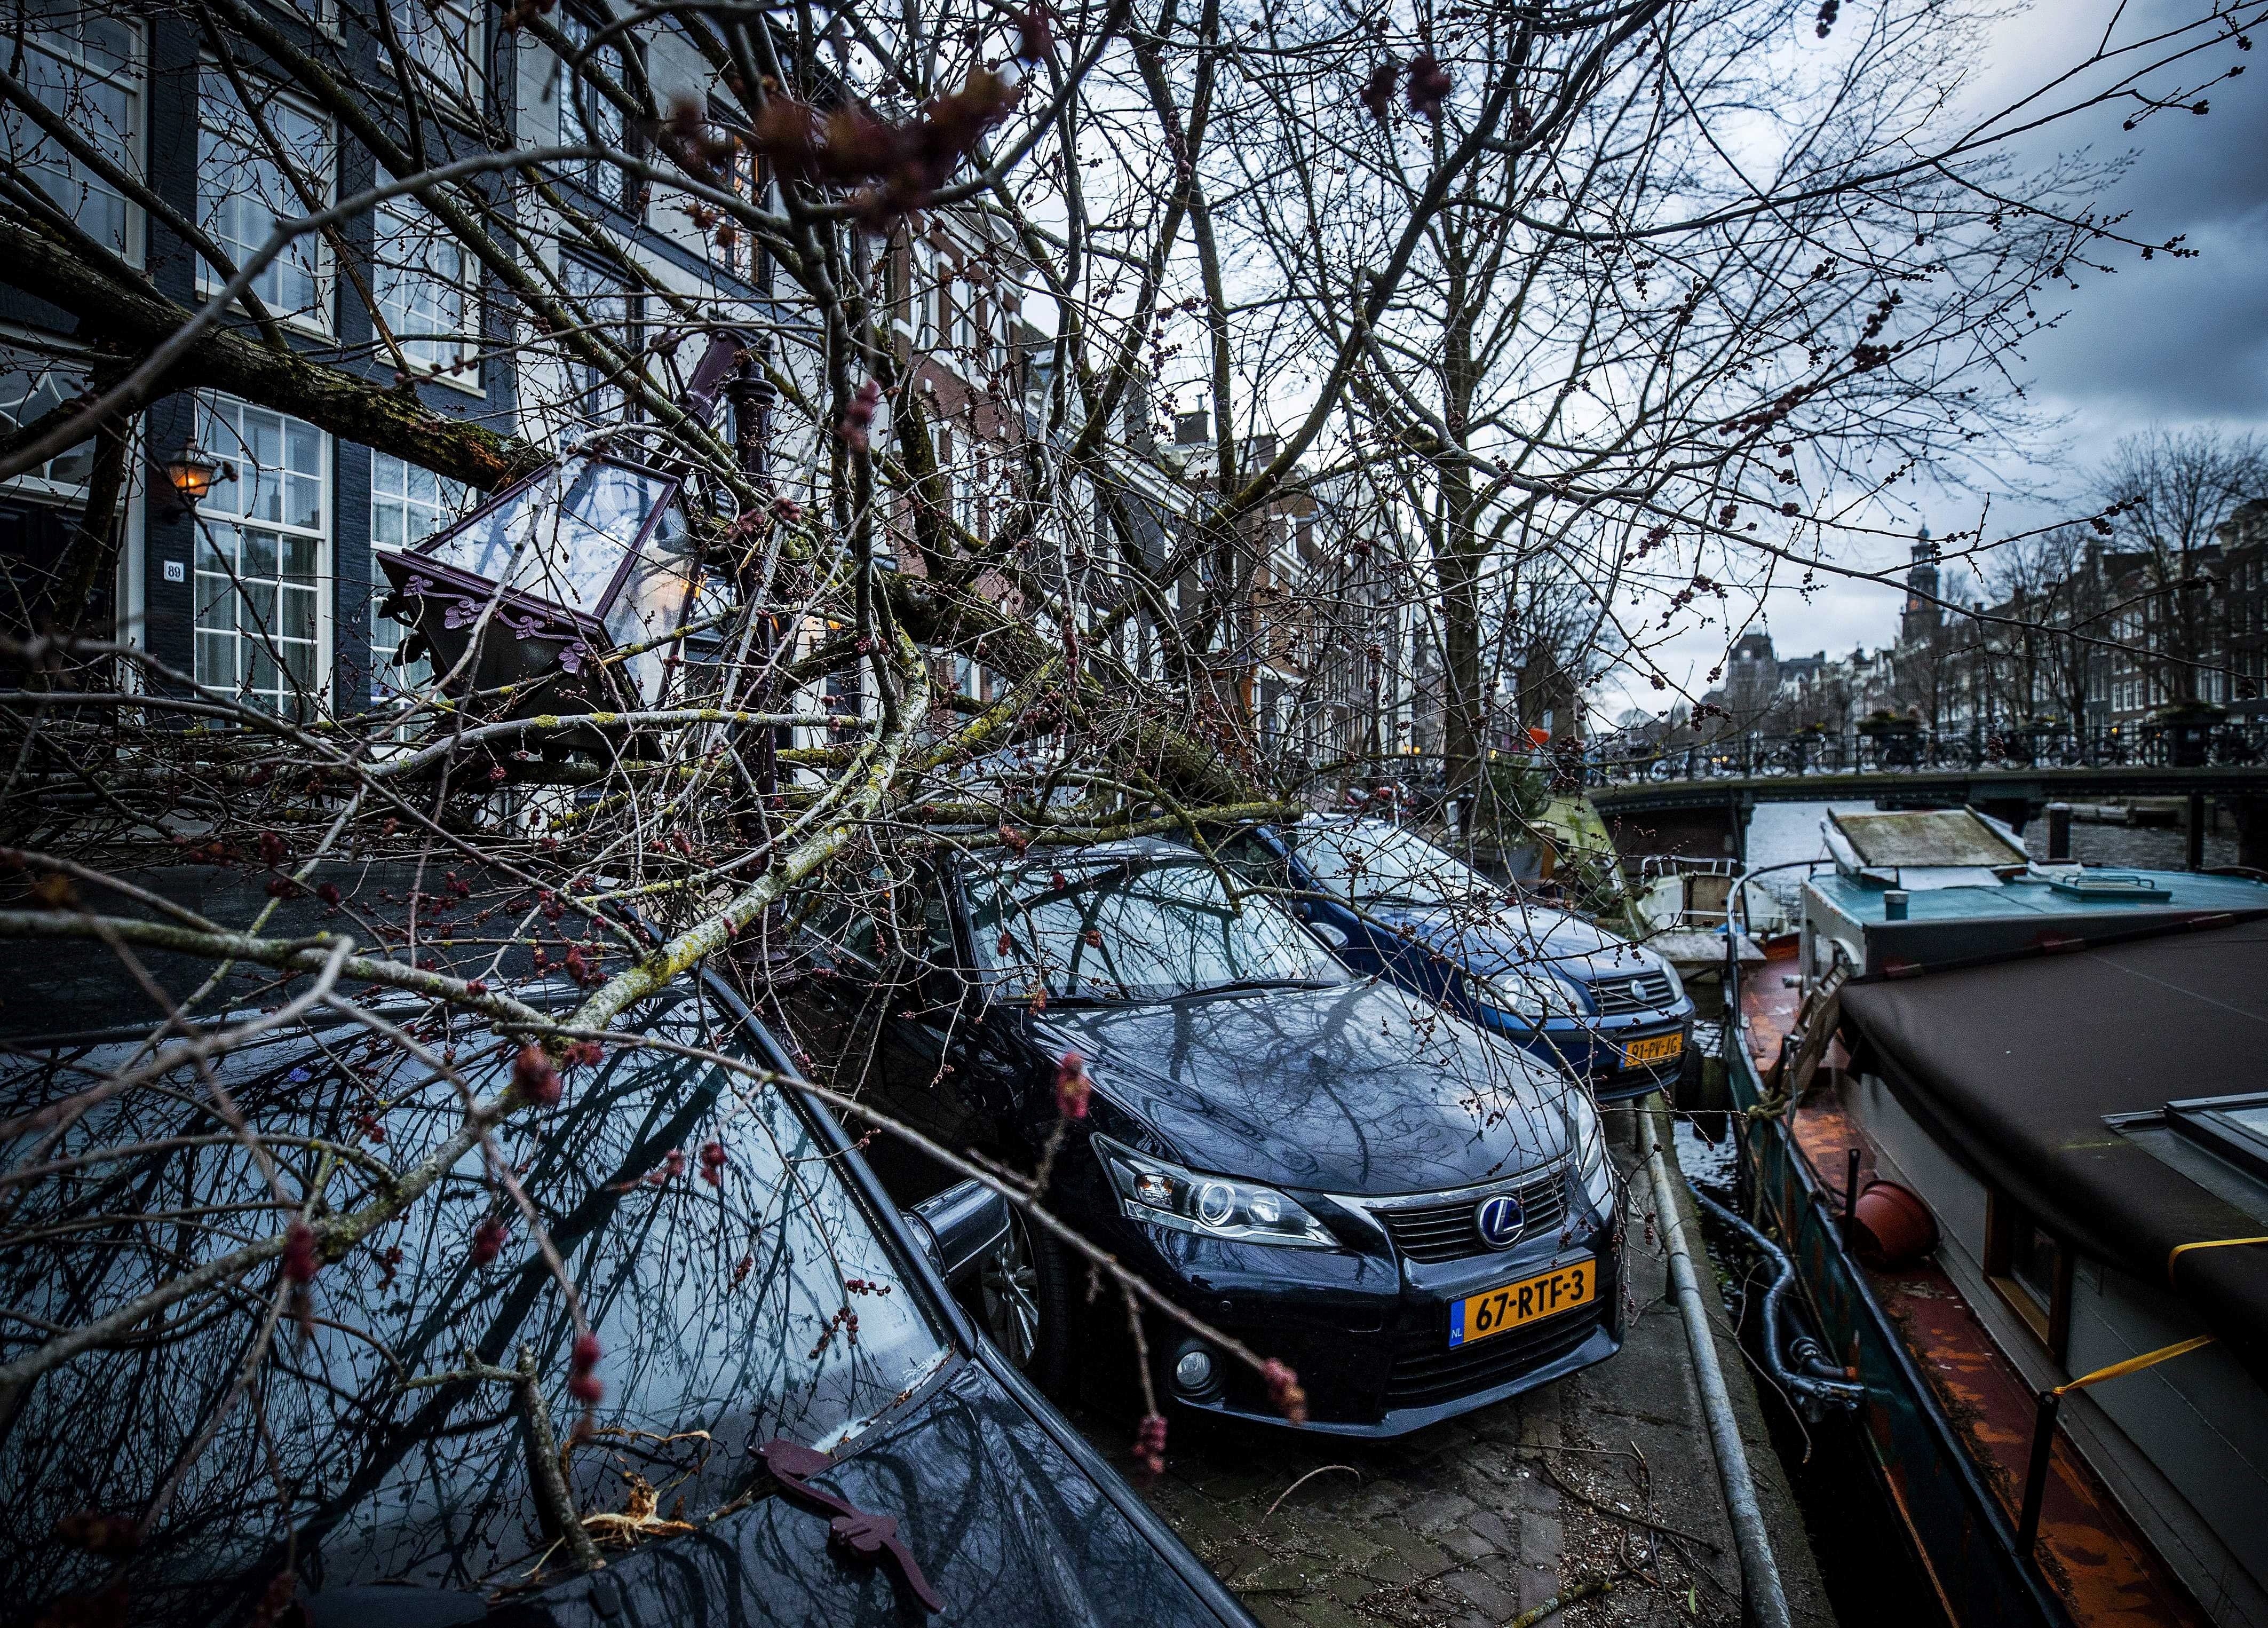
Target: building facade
{"points": [[267, 590]]}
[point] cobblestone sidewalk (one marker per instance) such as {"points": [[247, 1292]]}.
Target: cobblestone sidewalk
{"points": [[1606, 1477]]}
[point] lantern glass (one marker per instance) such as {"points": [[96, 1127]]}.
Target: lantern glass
{"points": [[563, 536], [597, 539], [192, 475]]}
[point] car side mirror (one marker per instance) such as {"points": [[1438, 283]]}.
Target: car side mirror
{"points": [[959, 1228], [1329, 932]]}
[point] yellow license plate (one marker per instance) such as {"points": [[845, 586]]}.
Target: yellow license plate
{"points": [[1660, 1049], [1563, 1288]]}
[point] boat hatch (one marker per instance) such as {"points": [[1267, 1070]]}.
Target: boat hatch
{"points": [[2104, 885], [1936, 836]]}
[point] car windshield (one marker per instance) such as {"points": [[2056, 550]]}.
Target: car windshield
{"points": [[377, 1435], [1369, 862], [1141, 928]]}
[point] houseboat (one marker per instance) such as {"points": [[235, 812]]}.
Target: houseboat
{"points": [[2011, 1122]]}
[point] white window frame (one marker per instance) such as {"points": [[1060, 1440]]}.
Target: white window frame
{"points": [[215, 90], [405, 221], [454, 58], [922, 262], [221, 524], [72, 56], [37, 353], [964, 319], [601, 179], [392, 483]]}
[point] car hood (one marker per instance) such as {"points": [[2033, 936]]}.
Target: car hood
{"points": [[1007, 1526], [1519, 937], [1354, 1088]]}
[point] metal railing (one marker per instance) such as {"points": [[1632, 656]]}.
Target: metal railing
{"points": [[1927, 751]]}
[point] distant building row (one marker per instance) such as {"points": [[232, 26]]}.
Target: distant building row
{"points": [[2106, 637]]}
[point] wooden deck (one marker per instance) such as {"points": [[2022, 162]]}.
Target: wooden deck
{"points": [[2093, 1556]]}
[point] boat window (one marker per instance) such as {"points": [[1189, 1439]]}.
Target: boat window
{"points": [[2235, 1127], [2030, 1270]]}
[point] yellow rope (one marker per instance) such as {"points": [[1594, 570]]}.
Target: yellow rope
{"points": [[2181, 1249], [2134, 1364]]}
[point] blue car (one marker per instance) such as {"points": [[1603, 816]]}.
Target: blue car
{"points": [[1609, 1011]]}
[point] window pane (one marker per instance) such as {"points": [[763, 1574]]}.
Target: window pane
{"points": [[300, 555], [299, 619], [217, 603], [32, 386], [87, 71], [246, 191], [299, 661], [217, 660]]}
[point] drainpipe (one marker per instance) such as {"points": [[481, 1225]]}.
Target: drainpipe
{"points": [[1763, 1605]]}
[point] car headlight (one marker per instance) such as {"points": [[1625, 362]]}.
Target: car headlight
{"points": [[1594, 1172], [1676, 984], [1212, 1206], [1525, 997]]}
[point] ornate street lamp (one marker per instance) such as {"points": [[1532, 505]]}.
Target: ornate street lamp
{"points": [[543, 584], [576, 584]]}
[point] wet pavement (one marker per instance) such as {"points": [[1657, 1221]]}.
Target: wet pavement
{"points": [[1606, 1477]]}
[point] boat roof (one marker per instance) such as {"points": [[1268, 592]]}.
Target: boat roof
{"points": [[2043, 1075], [2048, 892]]}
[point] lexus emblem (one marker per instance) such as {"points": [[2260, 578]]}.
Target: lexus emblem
{"points": [[1499, 1221]]}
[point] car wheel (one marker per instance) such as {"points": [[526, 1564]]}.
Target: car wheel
{"points": [[1023, 1295]]}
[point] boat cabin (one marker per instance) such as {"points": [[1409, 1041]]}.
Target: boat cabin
{"points": [[2013, 1121]]}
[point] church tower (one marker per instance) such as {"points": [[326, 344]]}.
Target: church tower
{"points": [[1921, 616]]}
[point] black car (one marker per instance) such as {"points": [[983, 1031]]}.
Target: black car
{"points": [[1417, 1217], [785, 1377], [1568, 991]]}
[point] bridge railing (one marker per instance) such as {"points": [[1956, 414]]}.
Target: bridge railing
{"points": [[1925, 751]]}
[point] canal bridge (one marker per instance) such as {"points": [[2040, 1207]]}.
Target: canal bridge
{"points": [[1697, 800]]}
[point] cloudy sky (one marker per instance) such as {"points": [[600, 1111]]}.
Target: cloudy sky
{"points": [[2168, 341]]}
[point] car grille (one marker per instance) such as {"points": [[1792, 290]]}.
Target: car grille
{"points": [[1427, 1369], [1643, 991], [1432, 1232]]}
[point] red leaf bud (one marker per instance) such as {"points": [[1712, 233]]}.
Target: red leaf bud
{"points": [[301, 1259], [1072, 1087], [489, 1239], [535, 1079]]}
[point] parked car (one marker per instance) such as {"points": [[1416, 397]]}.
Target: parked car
{"points": [[786, 1376], [1574, 995], [1416, 1217]]}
